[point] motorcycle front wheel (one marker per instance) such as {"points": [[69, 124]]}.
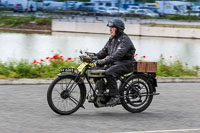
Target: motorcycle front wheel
{"points": [[136, 94], [65, 95]]}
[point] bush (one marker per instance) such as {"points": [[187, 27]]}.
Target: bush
{"points": [[174, 69], [3, 70], [50, 67], [45, 68]]}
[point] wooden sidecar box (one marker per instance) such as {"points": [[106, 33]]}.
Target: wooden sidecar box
{"points": [[146, 66]]}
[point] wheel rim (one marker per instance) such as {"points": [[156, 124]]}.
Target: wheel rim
{"points": [[136, 93], [66, 95]]}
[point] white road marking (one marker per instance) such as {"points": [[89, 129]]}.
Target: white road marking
{"points": [[165, 131]]}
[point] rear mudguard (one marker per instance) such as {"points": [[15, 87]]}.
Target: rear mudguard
{"points": [[150, 79], [80, 83]]}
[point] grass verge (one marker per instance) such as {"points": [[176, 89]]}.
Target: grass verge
{"points": [[13, 21], [176, 26]]}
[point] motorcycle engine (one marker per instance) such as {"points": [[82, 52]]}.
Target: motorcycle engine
{"points": [[102, 98]]}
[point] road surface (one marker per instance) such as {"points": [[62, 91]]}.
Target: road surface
{"points": [[24, 109]]}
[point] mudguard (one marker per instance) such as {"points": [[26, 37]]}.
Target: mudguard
{"points": [[74, 75], [150, 78]]}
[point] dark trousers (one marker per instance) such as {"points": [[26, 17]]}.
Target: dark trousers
{"points": [[115, 71]]}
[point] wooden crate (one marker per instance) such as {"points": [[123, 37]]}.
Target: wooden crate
{"points": [[146, 66]]}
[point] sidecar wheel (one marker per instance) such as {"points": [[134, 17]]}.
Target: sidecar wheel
{"points": [[136, 95]]}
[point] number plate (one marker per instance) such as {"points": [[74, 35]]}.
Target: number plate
{"points": [[82, 66], [63, 70]]}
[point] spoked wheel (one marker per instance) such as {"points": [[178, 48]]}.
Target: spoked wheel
{"points": [[65, 96], [136, 94]]}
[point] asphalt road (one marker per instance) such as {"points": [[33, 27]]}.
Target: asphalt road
{"points": [[24, 109]]}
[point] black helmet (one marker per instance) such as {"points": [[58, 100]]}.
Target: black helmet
{"points": [[116, 23]]}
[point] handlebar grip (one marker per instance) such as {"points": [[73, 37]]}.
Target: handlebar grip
{"points": [[90, 53], [88, 58], [95, 58]]}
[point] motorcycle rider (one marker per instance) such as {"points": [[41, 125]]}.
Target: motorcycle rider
{"points": [[118, 55]]}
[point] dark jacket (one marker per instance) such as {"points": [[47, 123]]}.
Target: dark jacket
{"points": [[117, 49]]}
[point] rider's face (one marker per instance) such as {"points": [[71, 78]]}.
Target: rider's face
{"points": [[113, 31]]}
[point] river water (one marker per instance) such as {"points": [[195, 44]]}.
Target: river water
{"points": [[16, 46]]}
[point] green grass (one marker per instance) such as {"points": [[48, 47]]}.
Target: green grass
{"points": [[43, 21], [176, 17], [180, 17], [11, 21], [169, 17], [176, 26], [49, 68]]}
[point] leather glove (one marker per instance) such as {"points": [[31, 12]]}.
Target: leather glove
{"points": [[88, 58], [100, 62]]}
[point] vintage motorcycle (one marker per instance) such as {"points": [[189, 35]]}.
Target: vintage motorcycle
{"points": [[67, 93]]}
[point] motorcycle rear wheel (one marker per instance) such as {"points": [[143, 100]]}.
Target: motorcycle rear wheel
{"points": [[136, 94], [65, 95]]}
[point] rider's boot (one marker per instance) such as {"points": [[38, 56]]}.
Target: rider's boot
{"points": [[113, 101], [113, 91]]}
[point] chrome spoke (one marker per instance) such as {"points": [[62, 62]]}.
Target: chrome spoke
{"points": [[66, 95], [73, 100]]}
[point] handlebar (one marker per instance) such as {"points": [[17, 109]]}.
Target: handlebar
{"points": [[91, 57], [90, 54]]}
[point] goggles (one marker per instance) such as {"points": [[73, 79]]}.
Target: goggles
{"points": [[110, 24]]}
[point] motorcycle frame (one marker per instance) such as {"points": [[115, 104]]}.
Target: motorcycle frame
{"points": [[151, 78]]}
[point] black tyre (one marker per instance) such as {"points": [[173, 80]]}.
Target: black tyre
{"points": [[136, 94], [65, 95]]}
